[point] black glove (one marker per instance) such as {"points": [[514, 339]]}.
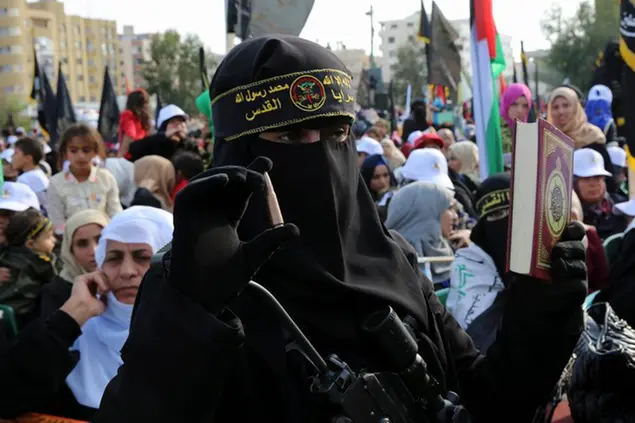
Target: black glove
{"points": [[568, 257], [209, 263]]}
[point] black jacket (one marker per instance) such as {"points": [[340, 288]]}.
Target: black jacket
{"points": [[464, 191], [184, 364], [158, 145], [34, 368], [54, 295]]}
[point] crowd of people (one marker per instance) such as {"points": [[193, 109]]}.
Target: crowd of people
{"points": [[80, 223]]}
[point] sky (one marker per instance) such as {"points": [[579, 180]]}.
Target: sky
{"points": [[331, 21]]}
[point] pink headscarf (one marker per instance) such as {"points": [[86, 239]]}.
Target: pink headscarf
{"points": [[511, 95]]}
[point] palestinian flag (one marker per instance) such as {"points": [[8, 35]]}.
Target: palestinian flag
{"points": [[488, 63]]}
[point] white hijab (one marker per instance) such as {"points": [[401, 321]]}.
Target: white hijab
{"points": [[103, 336]]}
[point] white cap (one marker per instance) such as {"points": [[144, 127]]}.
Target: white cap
{"points": [[600, 92], [369, 146], [618, 156], [20, 130], [627, 207], [8, 155], [168, 112], [588, 163], [413, 136], [12, 139], [18, 197], [428, 165]]}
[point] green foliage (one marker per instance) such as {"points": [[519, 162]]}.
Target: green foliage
{"points": [[173, 71], [411, 68], [16, 107], [576, 41]]}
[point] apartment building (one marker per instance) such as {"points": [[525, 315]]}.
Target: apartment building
{"points": [[135, 51], [83, 46]]}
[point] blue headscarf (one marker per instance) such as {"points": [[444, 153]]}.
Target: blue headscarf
{"points": [[368, 170], [598, 107]]}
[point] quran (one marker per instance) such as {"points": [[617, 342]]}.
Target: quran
{"points": [[541, 187]]}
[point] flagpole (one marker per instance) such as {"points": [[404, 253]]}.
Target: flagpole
{"points": [[372, 37]]}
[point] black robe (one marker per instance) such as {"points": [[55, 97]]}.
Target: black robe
{"points": [[183, 364]]}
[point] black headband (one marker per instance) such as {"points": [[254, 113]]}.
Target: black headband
{"points": [[493, 201], [282, 101]]}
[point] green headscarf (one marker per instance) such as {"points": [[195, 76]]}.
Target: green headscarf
{"points": [[203, 104]]}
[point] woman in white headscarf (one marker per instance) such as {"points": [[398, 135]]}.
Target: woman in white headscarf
{"points": [[81, 236], [92, 326], [123, 255]]}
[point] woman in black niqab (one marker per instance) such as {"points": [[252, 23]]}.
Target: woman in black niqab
{"points": [[344, 265]]}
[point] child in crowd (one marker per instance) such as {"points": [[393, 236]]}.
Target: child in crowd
{"points": [[15, 198], [82, 185], [27, 155], [29, 256], [187, 165]]}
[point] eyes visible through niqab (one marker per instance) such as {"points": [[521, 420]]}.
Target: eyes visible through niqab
{"points": [[336, 133]]}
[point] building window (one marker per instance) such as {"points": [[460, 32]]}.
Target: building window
{"points": [[9, 90], [80, 78], [27, 23], [89, 46], [79, 61], [411, 38], [391, 40], [92, 79], [11, 11], [40, 23], [9, 31], [63, 44], [139, 62], [78, 45], [393, 26], [11, 50], [410, 24], [82, 98], [62, 28], [77, 29], [104, 49], [394, 67], [65, 60], [392, 53], [91, 62]]}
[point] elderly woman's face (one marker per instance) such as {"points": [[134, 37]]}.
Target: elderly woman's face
{"points": [[124, 267], [561, 111], [519, 109]]}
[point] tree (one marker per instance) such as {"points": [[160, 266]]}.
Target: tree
{"points": [[411, 68], [575, 42], [15, 107], [173, 71]]}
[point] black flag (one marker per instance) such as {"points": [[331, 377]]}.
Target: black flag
{"points": [[515, 76], [523, 59], [244, 18], [444, 60], [627, 51], [42, 93], [157, 109], [424, 32], [108, 124], [203, 68], [231, 14], [64, 112], [391, 108]]}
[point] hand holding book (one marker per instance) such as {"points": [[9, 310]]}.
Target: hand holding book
{"points": [[568, 257]]}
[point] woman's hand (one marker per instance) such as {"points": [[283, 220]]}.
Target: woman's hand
{"points": [[209, 263], [460, 238], [83, 303]]}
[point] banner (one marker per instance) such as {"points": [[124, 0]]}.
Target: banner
{"points": [[279, 16]]}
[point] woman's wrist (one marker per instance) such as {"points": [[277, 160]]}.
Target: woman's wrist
{"points": [[79, 311]]}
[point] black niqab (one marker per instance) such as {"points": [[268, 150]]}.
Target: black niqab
{"points": [[345, 264]]}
